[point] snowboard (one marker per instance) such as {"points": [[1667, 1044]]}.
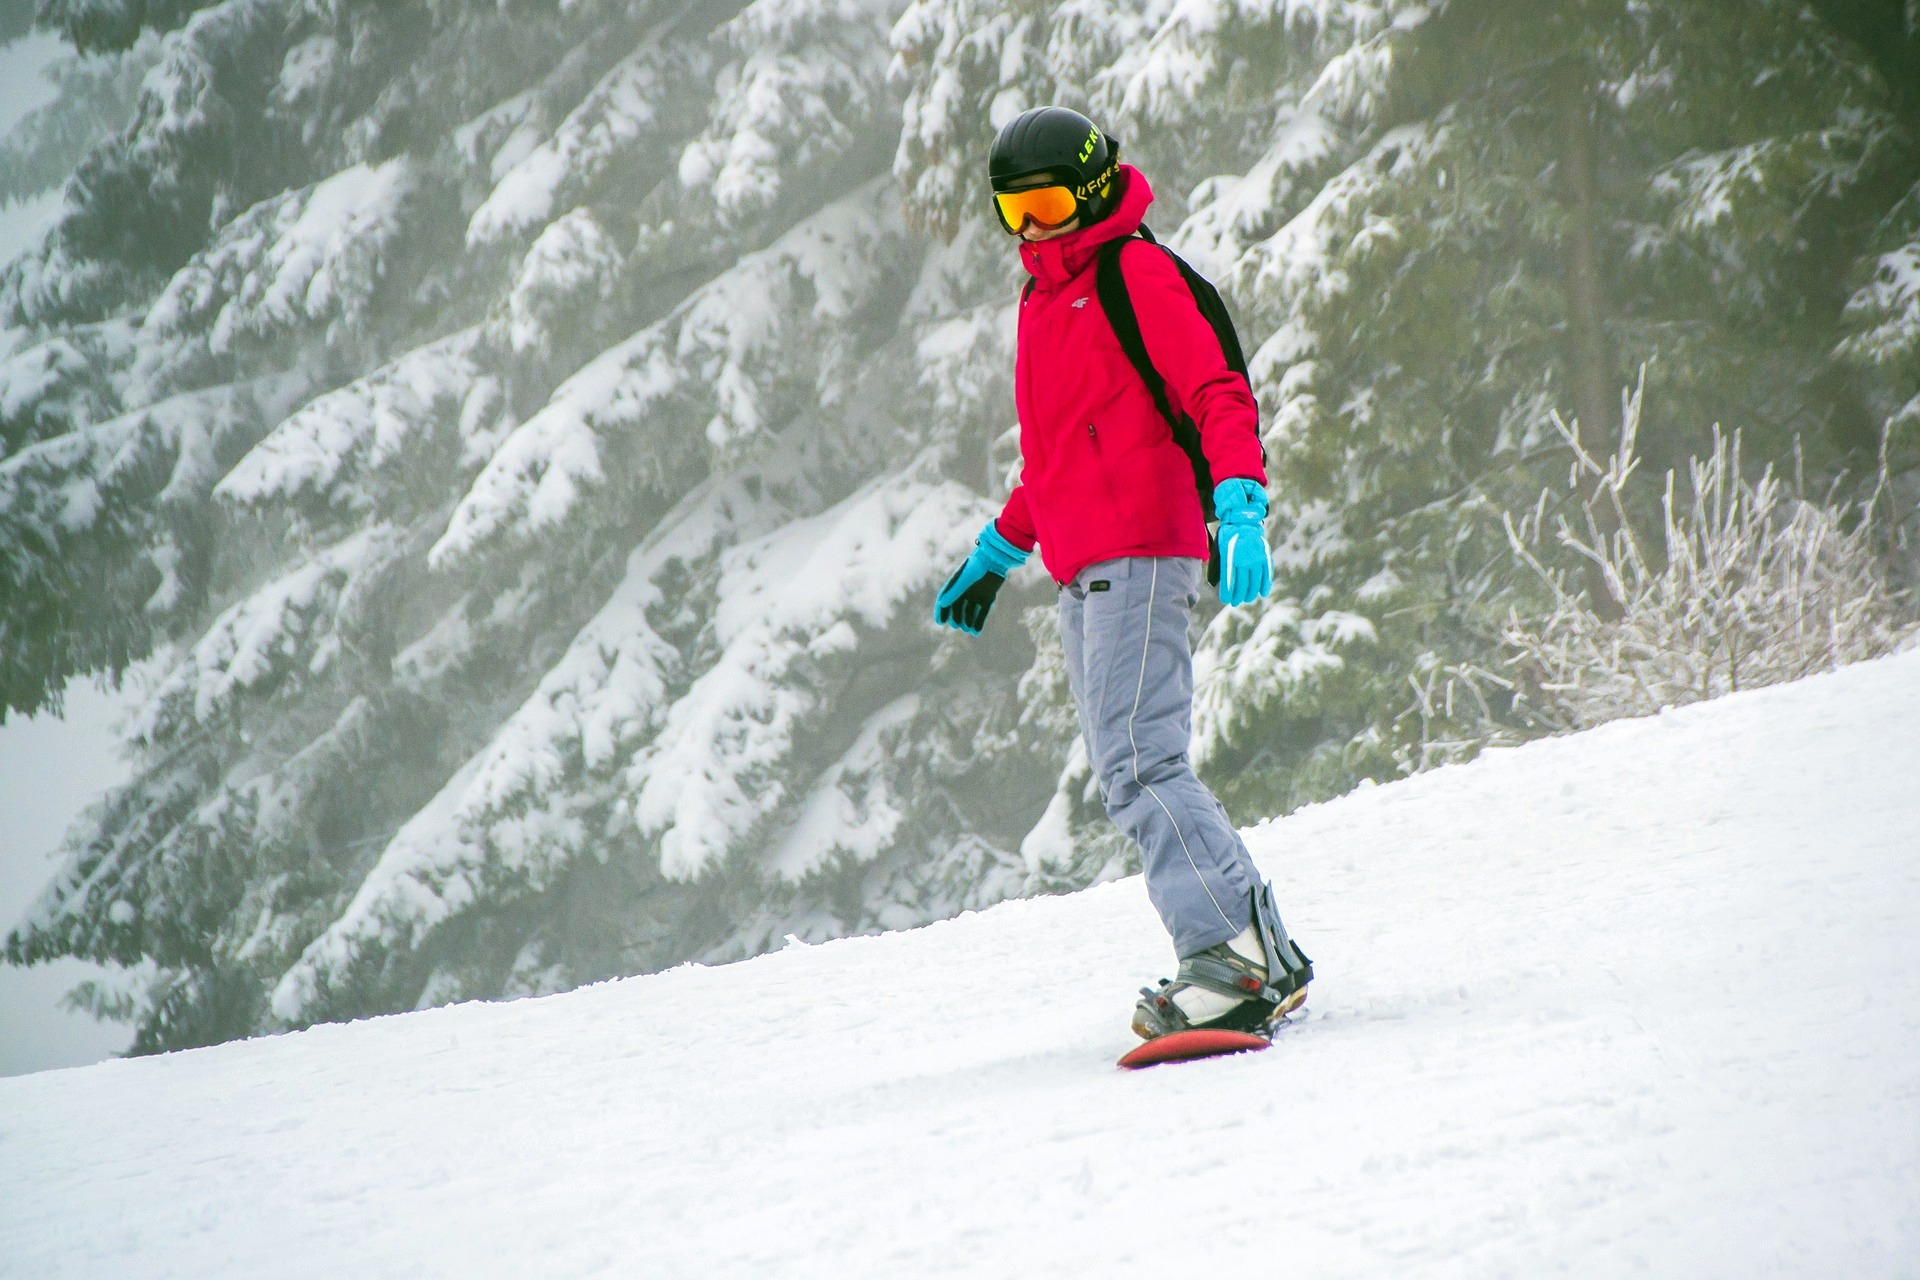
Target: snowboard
{"points": [[1182, 1046]]}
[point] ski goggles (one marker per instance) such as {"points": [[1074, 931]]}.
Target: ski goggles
{"points": [[1049, 207]]}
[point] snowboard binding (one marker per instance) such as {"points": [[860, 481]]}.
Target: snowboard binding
{"points": [[1264, 994]]}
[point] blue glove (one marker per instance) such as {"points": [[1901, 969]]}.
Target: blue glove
{"points": [[1246, 571], [963, 603]]}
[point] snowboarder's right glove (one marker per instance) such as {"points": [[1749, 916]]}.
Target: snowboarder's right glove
{"points": [[963, 603], [1246, 569]]}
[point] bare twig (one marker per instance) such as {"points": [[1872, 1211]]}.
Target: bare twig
{"points": [[1753, 586]]}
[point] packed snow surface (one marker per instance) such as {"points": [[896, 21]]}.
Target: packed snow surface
{"points": [[1642, 1000]]}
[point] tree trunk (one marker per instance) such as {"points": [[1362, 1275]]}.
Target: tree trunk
{"points": [[1593, 391]]}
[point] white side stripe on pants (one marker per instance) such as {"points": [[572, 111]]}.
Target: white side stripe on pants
{"points": [[1153, 586]]}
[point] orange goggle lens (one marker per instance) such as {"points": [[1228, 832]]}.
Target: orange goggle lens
{"points": [[1049, 207]]}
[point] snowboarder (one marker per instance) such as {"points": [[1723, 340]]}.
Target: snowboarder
{"points": [[1109, 495]]}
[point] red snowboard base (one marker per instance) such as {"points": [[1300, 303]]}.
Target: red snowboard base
{"points": [[1182, 1045]]}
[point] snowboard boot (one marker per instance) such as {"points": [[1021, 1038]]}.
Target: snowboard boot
{"points": [[1247, 983]]}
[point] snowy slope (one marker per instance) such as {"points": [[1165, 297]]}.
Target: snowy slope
{"points": [[1645, 1000]]}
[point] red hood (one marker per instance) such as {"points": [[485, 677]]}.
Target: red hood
{"points": [[1054, 262]]}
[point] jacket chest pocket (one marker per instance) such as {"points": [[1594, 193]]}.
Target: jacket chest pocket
{"points": [[1088, 396], [1088, 460], [1118, 401]]}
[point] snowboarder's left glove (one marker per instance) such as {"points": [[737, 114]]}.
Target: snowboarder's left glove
{"points": [[963, 603], [1246, 571]]}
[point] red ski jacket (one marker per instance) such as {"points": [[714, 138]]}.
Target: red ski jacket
{"points": [[1101, 476]]}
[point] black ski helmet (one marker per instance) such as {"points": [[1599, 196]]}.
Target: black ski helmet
{"points": [[1062, 141]]}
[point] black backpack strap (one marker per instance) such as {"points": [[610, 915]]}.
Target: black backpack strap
{"points": [[1111, 285]]}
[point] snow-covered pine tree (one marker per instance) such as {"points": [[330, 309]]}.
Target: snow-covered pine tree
{"points": [[1882, 318], [1535, 204], [1522, 205], [93, 26], [527, 436], [95, 96], [1272, 92], [1441, 223]]}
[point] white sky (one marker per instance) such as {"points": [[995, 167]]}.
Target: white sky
{"points": [[49, 768], [22, 88]]}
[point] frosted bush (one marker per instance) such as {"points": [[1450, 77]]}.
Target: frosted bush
{"points": [[1750, 583]]}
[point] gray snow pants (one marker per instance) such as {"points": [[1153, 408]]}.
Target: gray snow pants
{"points": [[1124, 626]]}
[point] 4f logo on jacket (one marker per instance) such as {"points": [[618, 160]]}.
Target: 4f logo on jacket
{"points": [[1079, 302]]}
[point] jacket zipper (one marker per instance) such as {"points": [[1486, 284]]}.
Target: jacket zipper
{"points": [[1100, 465]]}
